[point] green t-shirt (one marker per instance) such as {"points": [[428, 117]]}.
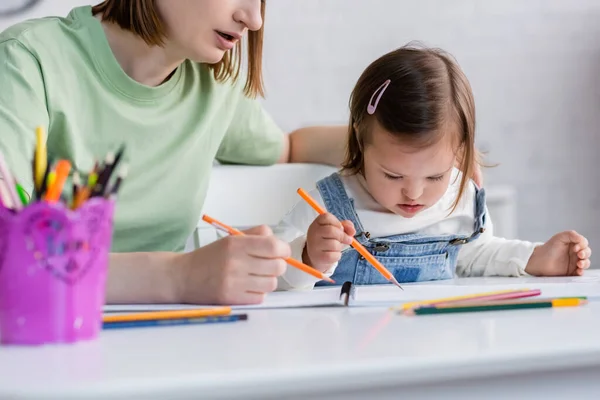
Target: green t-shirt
{"points": [[61, 73]]}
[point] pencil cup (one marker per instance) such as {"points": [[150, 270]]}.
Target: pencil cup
{"points": [[53, 267]]}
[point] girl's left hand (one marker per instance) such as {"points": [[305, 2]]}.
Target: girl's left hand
{"points": [[565, 254]]}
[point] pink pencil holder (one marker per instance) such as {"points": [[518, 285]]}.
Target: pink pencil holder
{"points": [[53, 267]]}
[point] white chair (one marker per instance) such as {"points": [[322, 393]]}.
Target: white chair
{"points": [[246, 196]]}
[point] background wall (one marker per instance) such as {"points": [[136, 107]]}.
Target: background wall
{"points": [[534, 66]]}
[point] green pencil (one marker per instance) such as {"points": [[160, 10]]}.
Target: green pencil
{"points": [[497, 306], [22, 194]]}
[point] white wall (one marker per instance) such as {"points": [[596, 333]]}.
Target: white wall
{"points": [[42, 9], [534, 66]]}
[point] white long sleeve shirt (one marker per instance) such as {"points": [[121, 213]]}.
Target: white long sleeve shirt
{"points": [[487, 255]]}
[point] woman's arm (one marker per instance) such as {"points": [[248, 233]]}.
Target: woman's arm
{"points": [[233, 270], [315, 144], [143, 278]]}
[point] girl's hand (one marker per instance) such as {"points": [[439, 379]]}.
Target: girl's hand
{"points": [[566, 253], [325, 240]]}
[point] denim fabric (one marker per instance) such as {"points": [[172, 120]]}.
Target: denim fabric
{"points": [[409, 257]]}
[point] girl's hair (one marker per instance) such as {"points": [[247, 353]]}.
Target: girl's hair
{"points": [[141, 18], [426, 95]]}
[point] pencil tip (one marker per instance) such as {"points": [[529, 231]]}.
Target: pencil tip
{"points": [[395, 282]]}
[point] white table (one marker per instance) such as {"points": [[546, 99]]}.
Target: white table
{"points": [[332, 353]]}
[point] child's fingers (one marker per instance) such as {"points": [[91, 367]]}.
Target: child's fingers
{"points": [[329, 219], [329, 257], [583, 264], [579, 240], [578, 272], [330, 245], [332, 232], [585, 253], [349, 230]]}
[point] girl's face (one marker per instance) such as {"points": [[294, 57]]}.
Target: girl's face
{"points": [[203, 30], [404, 179]]}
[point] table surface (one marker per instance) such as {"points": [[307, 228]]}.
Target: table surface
{"points": [[308, 351]]}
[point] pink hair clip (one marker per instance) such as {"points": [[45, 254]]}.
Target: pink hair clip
{"points": [[372, 107]]}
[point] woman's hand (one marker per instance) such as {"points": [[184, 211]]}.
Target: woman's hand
{"points": [[233, 270]]}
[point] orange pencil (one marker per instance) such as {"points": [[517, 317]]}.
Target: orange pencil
{"points": [[168, 314], [291, 261], [357, 246], [63, 167], [82, 195]]}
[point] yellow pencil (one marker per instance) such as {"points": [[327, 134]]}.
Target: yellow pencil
{"points": [[497, 306], [168, 314], [41, 156]]}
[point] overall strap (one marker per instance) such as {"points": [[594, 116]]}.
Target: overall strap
{"points": [[337, 202], [480, 215]]}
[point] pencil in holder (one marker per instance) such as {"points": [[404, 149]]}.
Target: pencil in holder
{"points": [[53, 268]]}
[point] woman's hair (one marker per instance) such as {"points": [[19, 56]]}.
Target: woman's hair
{"points": [[426, 95], [141, 18]]}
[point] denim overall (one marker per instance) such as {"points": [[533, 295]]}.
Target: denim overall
{"points": [[410, 257]]}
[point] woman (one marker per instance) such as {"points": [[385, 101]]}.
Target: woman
{"points": [[160, 76]]}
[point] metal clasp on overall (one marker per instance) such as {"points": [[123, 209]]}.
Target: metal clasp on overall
{"points": [[464, 240], [381, 247]]}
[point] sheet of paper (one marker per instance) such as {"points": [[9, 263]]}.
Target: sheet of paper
{"points": [[292, 299], [388, 295]]}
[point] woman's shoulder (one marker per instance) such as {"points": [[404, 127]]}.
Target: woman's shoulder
{"points": [[43, 32]]}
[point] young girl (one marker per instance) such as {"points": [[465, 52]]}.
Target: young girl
{"points": [[401, 195]]}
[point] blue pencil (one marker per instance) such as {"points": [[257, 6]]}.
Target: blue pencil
{"points": [[174, 322]]}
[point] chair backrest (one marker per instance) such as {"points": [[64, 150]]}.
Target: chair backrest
{"points": [[246, 196]]}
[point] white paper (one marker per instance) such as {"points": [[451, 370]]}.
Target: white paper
{"points": [[292, 299], [389, 295]]}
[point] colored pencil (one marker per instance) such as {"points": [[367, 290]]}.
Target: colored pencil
{"points": [[76, 183], [497, 295], [496, 306], [40, 158], [82, 195], [174, 322], [9, 183], [93, 176], [63, 167], [5, 198], [46, 179], [22, 194], [111, 163], [357, 246], [121, 176], [168, 314], [103, 175], [294, 263], [103, 189]]}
